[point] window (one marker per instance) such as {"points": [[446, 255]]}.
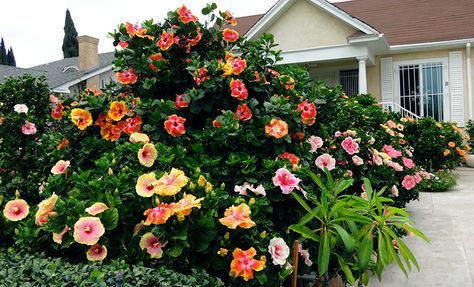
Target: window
{"points": [[349, 80]]}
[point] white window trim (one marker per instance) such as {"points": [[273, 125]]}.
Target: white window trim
{"points": [[446, 96]]}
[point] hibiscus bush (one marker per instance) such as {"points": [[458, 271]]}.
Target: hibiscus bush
{"points": [[189, 162], [437, 145]]}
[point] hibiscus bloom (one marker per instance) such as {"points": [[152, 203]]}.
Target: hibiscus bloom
{"points": [[393, 153], [60, 167], [242, 189], [28, 128], [166, 40], [127, 77], [185, 15], [139, 137], [315, 142], [276, 128], [325, 161], [88, 230], [291, 157], [201, 75], [136, 30], [229, 18], [279, 250], [357, 160], [117, 110], [308, 112], [45, 209], [96, 208], [185, 205], [158, 215], [243, 112], [409, 182], [285, 180], [103, 120], [146, 185], [305, 254], [152, 245], [394, 191], [230, 35], [243, 263], [20, 108], [182, 101], [57, 112], [132, 125], [234, 66], [147, 154], [81, 118], [408, 163], [350, 146], [238, 90], [97, 252], [170, 184], [174, 125], [157, 57], [58, 237], [63, 144], [237, 217], [16, 210]]}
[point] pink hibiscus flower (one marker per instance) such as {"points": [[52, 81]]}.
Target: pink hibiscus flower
{"points": [[325, 161], [408, 182], [28, 128], [393, 153], [88, 230], [152, 245], [315, 142], [16, 210], [60, 167], [279, 250], [408, 163], [285, 180], [97, 252], [350, 146]]}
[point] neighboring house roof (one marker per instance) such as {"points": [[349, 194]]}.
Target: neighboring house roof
{"points": [[61, 72], [402, 22], [415, 21]]}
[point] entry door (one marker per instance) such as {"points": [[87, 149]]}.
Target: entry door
{"points": [[421, 89]]}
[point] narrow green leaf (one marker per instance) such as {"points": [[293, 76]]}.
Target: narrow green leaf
{"points": [[394, 254], [305, 205], [343, 185], [383, 252], [346, 238], [405, 250], [415, 231], [323, 254], [347, 271], [305, 232], [365, 250]]}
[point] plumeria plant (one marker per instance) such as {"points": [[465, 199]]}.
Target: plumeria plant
{"points": [[353, 234]]}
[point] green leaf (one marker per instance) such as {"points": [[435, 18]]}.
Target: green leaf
{"points": [[323, 254], [365, 250], [343, 185], [347, 271], [383, 250], [305, 232], [394, 254], [110, 218], [305, 206], [415, 231], [175, 251], [346, 238]]}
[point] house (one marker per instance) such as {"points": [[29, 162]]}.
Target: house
{"points": [[72, 75], [412, 55]]}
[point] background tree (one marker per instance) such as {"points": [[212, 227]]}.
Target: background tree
{"points": [[3, 53], [11, 58], [70, 44]]}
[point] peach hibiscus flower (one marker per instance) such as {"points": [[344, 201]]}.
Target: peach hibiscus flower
{"points": [[16, 210], [58, 237], [45, 209], [127, 77], [117, 110], [159, 214], [81, 118], [139, 137], [60, 167], [146, 185], [237, 217], [88, 230], [276, 128], [243, 263], [147, 155], [96, 208], [152, 245], [97, 252], [230, 35], [185, 205], [174, 125], [170, 184]]}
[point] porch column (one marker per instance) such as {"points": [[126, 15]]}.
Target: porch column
{"points": [[362, 75]]}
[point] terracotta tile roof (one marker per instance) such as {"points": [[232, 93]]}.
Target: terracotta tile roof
{"points": [[415, 21], [404, 21], [245, 23]]}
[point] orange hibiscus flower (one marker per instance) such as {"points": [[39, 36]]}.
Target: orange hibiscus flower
{"points": [[230, 35], [117, 110], [237, 217], [276, 128], [244, 263], [185, 15], [127, 77], [81, 118]]}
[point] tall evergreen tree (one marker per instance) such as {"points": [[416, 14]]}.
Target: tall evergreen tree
{"points": [[70, 44], [3, 53], [11, 58]]}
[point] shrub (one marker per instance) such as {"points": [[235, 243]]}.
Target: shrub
{"points": [[436, 145], [470, 134], [39, 270], [442, 180]]}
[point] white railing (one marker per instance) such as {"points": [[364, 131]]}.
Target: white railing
{"points": [[394, 107]]}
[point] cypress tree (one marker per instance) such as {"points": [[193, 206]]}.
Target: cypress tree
{"points": [[11, 58], [70, 44], [3, 53]]}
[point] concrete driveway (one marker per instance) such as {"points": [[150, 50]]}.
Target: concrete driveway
{"points": [[447, 219]]}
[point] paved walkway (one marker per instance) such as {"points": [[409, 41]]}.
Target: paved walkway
{"points": [[448, 220]]}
